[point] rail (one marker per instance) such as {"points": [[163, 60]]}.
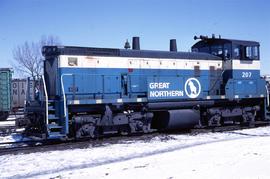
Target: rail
{"points": [[46, 99]]}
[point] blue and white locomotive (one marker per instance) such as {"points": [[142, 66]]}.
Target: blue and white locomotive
{"points": [[90, 92]]}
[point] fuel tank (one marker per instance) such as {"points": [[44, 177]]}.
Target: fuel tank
{"points": [[175, 119]]}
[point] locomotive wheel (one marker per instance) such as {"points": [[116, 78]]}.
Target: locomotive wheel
{"points": [[125, 130], [215, 120], [87, 130], [249, 118]]}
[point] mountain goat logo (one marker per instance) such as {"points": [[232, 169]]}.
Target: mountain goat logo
{"points": [[192, 88]]}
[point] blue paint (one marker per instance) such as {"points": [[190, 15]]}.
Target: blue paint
{"points": [[245, 88], [246, 74], [168, 88], [107, 83]]}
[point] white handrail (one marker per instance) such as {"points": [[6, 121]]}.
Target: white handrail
{"points": [[63, 91], [267, 97], [46, 99]]}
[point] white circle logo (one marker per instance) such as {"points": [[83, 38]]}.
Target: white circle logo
{"points": [[192, 88]]}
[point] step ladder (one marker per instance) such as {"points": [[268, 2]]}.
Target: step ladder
{"points": [[53, 122], [54, 126]]}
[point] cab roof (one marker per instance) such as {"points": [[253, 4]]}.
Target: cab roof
{"points": [[208, 41]]}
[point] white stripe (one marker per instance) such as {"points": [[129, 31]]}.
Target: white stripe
{"points": [[136, 63], [246, 65], [99, 101], [119, 100]]}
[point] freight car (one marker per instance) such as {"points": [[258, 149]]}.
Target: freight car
{"points": [[19, 92], [5, 92], [88, 92]]}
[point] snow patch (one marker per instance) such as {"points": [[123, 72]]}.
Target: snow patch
{"points": [[165, 156]]}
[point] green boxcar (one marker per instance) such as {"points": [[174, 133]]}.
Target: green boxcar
{"points": [[5, 92]]}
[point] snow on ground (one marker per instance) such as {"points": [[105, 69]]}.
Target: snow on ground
{"points": [[10, 122], [238, 154], [232, 159]]}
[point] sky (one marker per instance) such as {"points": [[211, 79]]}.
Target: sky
{"points": [[104, 23]]}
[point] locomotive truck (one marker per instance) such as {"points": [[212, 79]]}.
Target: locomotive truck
{"points": [[91, 92]]}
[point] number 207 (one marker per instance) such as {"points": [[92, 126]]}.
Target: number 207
{"points": [[246, 74]]}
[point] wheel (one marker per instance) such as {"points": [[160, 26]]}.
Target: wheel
{"points": [[87, 130]]}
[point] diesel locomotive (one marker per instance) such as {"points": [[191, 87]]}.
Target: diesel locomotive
{"points": [[91, 92]]}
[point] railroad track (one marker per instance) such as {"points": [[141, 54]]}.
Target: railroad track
{"points": [[38, 144], [9, 130]]}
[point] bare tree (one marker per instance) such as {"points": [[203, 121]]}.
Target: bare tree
{"points": [[28, 59]]}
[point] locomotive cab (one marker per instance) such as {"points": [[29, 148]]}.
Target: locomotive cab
{"points": [[240, 64], [241, 59], [227, 49]]}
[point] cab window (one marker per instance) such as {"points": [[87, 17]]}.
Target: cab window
{"points": [[236, 53], [245, 52], [223, 51], [227, 51], [251, 53], [217, 50], [255, 52]]}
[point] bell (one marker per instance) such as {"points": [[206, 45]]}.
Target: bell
{"points": [[127, 45]]}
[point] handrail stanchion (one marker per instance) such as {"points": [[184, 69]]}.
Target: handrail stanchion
{"points": [[46, 100], [64, 95], [267, 93]]}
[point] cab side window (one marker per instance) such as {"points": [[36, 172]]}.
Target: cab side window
{"points": [[244, 52], [251, 53], [227, 51], [248, 54], [236, 52], [256, 52]]}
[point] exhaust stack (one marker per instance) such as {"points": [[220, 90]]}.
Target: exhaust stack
{"points": [[136, 43], [173, 45]]}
